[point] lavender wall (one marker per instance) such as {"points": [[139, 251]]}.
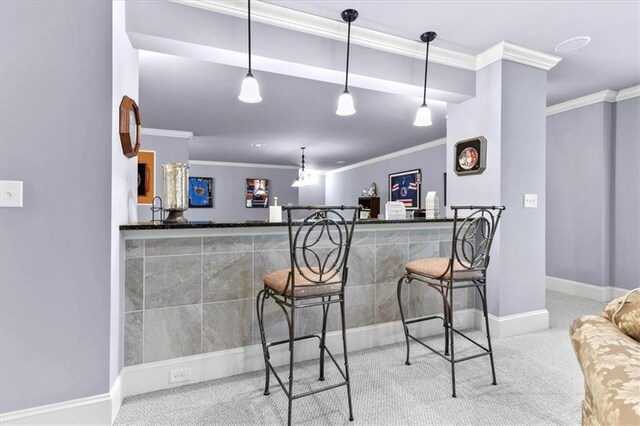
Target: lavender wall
{"points": [[313, 195], [578, 193], [56, 108], [168, 150], [509, 111], [345, 187], [626, 196], [229, 189]]}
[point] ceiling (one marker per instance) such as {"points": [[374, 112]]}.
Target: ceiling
{"points": [[610, 61], [202, 97], [186, 94]]}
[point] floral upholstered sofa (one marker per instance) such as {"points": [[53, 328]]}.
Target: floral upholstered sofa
{"points": [[608, 350]]}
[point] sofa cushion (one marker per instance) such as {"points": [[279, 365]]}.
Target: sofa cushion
{"points": [[610, 362], [624, 312]]}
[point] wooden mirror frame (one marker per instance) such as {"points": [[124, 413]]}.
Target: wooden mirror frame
{"points": [[127, 104]]}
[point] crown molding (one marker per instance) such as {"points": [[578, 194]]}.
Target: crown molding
{"points": [[279, 16], [167, 133], [230, 164], [400, 153], [283, 17], [628, 93], [608, 95], [514, 53]]}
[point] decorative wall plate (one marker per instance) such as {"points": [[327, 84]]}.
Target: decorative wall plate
{"points": [[470, 156]]}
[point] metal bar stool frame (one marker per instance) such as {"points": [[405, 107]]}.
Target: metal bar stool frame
{"points": [[306, 263], [470, 253]]}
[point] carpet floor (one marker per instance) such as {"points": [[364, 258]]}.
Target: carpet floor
{"points": [[539, 383]]}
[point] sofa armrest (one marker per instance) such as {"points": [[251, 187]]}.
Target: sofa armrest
{"points": [[610, 362]]}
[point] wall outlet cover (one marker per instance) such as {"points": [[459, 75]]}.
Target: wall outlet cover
{"points": [[530, 201], [180, 375]]}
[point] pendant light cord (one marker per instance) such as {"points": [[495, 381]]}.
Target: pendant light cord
{"points": [[346, 78], [426, 69], [249, 28]]}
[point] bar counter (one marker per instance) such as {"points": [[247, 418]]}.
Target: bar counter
{"points": [[190, 289]]}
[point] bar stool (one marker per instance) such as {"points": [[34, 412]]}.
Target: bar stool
{"points": [[465, 267], [319, 250]]}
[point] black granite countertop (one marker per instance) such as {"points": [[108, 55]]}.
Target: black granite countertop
{"points": [[254, 224]]}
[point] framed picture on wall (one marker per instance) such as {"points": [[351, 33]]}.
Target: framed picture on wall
{"points": [[146, 176], [405, 187], [200, 192], [257, 193]]}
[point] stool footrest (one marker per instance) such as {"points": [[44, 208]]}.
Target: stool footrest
{"points": [[448, 358], [430, 317], [281, 342]]}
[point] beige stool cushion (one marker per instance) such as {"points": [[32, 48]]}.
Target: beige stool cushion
{"points": [[434, 267], [277, 281]]}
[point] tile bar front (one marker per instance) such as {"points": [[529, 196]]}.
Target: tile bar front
{"points": [[191, 290]]}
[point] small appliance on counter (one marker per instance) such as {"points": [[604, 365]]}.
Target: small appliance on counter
{"points": [[176, 191], [395, 210]]}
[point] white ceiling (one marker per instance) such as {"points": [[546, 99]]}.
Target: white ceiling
{"points": [[185, 94], [610, 61]]}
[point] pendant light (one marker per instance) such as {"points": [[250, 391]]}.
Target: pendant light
{"points": [[345, 102], [423, 116], [302, 178], [250, 92]]}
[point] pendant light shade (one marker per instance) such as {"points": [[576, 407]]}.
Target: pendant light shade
{"points": [[345, 102], [250, 92], [423, 116], [302, 176]]}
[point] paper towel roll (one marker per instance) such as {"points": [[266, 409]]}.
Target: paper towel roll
{"points": [[275, 213]]}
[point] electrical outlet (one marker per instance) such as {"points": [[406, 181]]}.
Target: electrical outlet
{"points": [[530, 201], [180, 375]]}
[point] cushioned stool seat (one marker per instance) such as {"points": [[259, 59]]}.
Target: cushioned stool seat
{"points": [[277, 281], [434, 267]]}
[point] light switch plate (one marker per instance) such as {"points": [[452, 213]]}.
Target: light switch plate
{"points": [[530, 201], [10, 193]]}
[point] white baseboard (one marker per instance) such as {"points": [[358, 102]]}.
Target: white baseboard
{"points": [[155, 376], [588, 291], [93, 410], [512, 325]]}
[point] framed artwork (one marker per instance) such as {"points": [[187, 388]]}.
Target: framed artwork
{"points": [[405, 187], [470, 156], [257, 193], [200, 192], [146, 177]]}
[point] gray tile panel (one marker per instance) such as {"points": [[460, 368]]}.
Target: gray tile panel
{"points": [[133, 326], [133, 284], [227, 276], [390, 261], [133, 248], [226, 244], [362, 266], [172, 332], [227, 325], [172, 281], [172, 246]]}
